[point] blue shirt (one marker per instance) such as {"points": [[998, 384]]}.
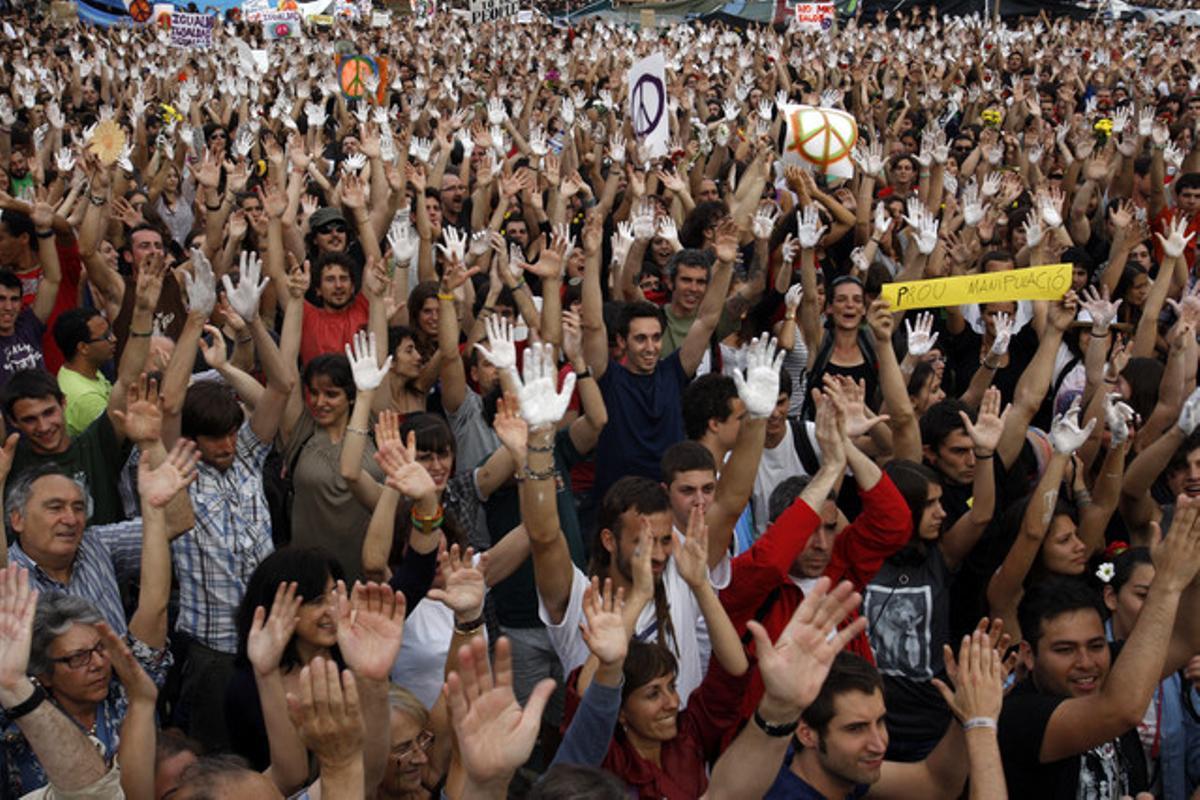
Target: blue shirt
{"points": [[231, 536], [645, 417], [790, 786]]}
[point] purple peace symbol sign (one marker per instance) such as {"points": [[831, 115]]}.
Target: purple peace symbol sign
{"points": [[649, 100]]}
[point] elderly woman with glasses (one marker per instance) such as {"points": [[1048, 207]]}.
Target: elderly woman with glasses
{"points": [[420, 748], [104, 684]]}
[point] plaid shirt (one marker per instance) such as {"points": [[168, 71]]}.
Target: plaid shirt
{"points": [[106, 554], [215, 559]]}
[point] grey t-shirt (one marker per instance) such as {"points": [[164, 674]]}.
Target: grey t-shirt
{"points": [[475, 440]]}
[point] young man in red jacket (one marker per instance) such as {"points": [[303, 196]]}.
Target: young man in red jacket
{"points": [[769, 579]]}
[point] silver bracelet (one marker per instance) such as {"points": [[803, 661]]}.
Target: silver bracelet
{"points": [[979, 722]]}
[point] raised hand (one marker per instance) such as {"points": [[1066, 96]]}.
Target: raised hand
{"points": [[1189, 415], [604, 634], [159, 485], [455, 247], [404, 473], [18, 601], [364, 362], [1050, 208], [326, 714], [921, 337], [244, 298], [978, 675], [809, 229], [463, 584], [1003, 323], [202, 288], [270, 633], [924, 225], [759, 389], [138, 685], [849, 399], [1175, 242], [1118, 416], [989, 424], [541, 402], [402, 239], [495, 736], [691, 555], [502, 350], [1100, 308], [764, 220], [643, 221], [370, 628], [142, 417], [1065, 434], [794, 667]]}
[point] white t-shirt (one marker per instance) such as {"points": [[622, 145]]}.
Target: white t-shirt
{"points": [[421, 664], [777, 465], [691, 633]]}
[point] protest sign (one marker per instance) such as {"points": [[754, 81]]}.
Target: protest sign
{"points": [[323, 20], [281, 24], [492, 10], [424, 8], [525, 16], [381, 19], [1034, 283], [162, 14], [814, 17], [192, 31], [253, 10], [648, 105], [353, 72], [822, 138]]}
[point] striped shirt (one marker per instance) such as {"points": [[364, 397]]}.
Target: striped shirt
{"points": [[107, 555], [232, 534]]}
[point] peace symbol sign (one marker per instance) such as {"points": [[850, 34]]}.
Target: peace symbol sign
{"points": [[647, 101]]}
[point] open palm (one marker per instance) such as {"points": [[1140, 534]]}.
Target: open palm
{"points": [[370, 628]]}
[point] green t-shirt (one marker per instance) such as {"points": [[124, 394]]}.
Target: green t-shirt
{"points": [[94, 457], [678, 327], [86, 398]]}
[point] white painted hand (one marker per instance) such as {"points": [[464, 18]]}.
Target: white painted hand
{"points": [[202, 286], [1003, 323], [244, 299], [1065, 434], [759, 389], [1117, 416], [364, 362], [921, 337], [541, 402], [501, 352], [809, 229], [1189, 417]]}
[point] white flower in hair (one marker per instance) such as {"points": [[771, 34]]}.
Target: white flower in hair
{"points": [[1106, 571]]}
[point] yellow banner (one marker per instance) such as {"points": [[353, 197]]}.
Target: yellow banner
{"points": [[1049, 282]]}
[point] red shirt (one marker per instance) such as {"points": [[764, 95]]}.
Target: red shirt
{"points": [[68, 298], [1161, 222], [329, 331], [883, 528]]}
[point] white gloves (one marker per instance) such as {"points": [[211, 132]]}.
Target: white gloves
{"points": [[759, 390]]}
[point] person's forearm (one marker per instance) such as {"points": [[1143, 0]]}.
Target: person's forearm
{"points": [[902, 417], [355, 442], [550, 323], [726, 644], [1137, 671], [1150, 463], [149, 621], [377, 544], [376, 714], [985, 765], [735, 486], [1005, 586], [947, 764], [289, 757], [66, 755], [281, 375], [866, 472], [751, 763], [136, 751]]}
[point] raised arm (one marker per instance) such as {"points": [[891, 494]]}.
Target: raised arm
{"points": [[691, 559], [985, 434], [595, 334], [906, 442], [42, 217], [695, 344], [585, 431]]}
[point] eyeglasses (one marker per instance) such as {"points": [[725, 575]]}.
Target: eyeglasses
{"points": [[423, 741], [81, 658], [332, 227], [107, 336]]}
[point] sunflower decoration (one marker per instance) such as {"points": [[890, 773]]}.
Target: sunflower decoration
{"points": [[991, 117], [1103, 129], [107, 142]]}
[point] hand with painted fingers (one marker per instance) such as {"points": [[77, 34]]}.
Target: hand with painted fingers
{"points": [[795, 665], [1003, 323], [370, 628], [501, 351], [1034, 233], [1065, 434], [604, 632], [988, 426], [271, 631], [1100, 308], [1175, 241], [362, 354], [326, 714], [403, 240], [200, 285], [764, 220], [1189, 415], [454, 245], [669, 231], [921, 337], [759, 389], [1119, 416], [495, 735], [809, 228], [245, 297], [542, 403], [792, 299], [463, 588]]}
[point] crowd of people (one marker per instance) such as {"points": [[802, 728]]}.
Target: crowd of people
{"points": [[426, 436]]}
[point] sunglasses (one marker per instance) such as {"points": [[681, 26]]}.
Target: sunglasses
{"points": [[332, 227]]}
